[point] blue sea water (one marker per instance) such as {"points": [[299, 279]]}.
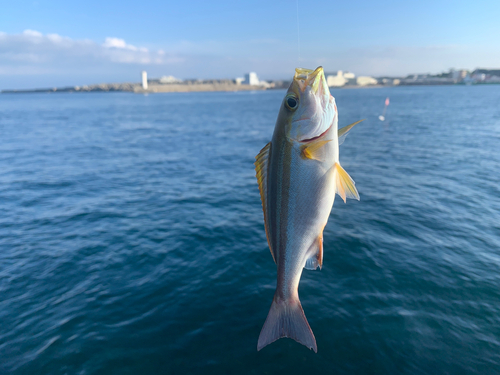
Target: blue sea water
{"points": [[132, 237]]}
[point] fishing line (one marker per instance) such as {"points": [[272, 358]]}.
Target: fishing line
{"points": [[298, 33]]}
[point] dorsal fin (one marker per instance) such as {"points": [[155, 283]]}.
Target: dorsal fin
{"points": [[261, 166]]}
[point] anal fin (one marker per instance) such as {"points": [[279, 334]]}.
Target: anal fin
{"points": [[315, 254]]}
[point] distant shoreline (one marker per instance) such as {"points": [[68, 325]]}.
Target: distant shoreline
{"points": [[194, 87], [137, 88]]}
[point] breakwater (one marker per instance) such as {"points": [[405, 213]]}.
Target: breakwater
{"points": [[152, 88]]}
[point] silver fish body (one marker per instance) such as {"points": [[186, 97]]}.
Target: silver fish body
{"points": [[299, 174]]}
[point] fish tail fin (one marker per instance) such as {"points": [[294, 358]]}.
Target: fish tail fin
{"points": [[287, 319]]}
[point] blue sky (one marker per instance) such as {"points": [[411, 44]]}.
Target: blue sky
{"points": [[55, 43]]}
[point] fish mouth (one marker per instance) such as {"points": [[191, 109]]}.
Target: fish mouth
{"points": [[313, 78]]}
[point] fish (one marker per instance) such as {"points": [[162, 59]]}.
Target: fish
{"points": [[298, 174]]}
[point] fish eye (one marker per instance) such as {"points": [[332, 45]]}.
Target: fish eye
{"points": [[291, 102]]}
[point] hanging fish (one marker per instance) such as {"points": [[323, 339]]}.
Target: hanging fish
{"points": [[298, 174]]}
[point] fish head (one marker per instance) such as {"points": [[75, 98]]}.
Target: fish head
{"points": [[310, 108]]}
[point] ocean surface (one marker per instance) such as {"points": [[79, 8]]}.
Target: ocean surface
{"points": [[132, 237]]}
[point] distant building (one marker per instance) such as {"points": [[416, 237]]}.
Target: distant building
{"points": [[340, 79], [389, 81], [491, 72], [458, 75], [144, 80], [239, 80], [251, 79], [427, 79], [366, 81], [484, 76], [493, 79], [265, 84], [169, 79], [336, 80]]}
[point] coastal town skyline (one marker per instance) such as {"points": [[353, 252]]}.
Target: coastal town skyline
{"points": [[251, 81], [54, 43]]}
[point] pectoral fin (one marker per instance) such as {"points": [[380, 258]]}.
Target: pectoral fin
{"points": [[261, 166], [312, 150], [344, 184], [342, 133]]}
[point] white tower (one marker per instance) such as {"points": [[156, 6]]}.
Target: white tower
{"points": [[144, 80]]}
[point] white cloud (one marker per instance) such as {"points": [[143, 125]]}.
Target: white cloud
{"points": [[56, 38], [32, 59], [120, 44], [32, 51], [32, 33], [117, 43]]}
